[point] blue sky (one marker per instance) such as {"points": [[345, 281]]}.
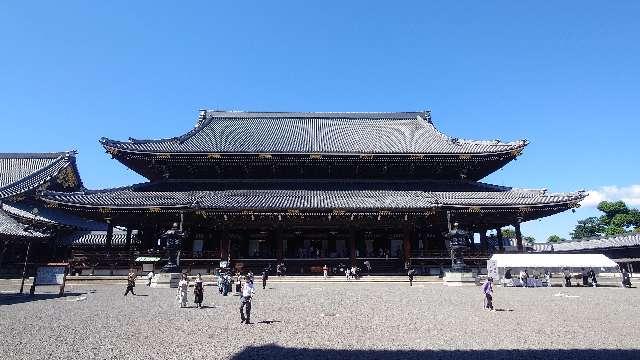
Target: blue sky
{"points": [[564, 76]]}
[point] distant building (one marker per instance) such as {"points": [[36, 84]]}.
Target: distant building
{"points": [[623, 249]]}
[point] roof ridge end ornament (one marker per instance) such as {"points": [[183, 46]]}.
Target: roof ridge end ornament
{"points": [[427, 115], [202, 116]]}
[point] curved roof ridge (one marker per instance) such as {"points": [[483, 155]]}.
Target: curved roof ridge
{"points": [[315, 132], [38, 155]]}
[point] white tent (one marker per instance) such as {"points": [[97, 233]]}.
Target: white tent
{"points": [[555, 263], [551, 261]]}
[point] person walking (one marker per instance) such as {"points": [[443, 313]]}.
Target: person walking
{"points": [[183, 286], [487, 289], [245, 301], [150, 277], [198, 292], [411, 273], [131, 282], [325, 271]]}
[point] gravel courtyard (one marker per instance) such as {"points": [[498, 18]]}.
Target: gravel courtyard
{"points": [[324, 321]]}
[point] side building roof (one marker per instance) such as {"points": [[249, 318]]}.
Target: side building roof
{"points": [[314, 132], [22, 173], [609, 242], [11, 228]]}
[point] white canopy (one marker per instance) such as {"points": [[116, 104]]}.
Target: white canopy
{"points": [[550, 261]]}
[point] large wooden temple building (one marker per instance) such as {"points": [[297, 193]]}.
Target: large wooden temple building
{"points": [[307, 189]]}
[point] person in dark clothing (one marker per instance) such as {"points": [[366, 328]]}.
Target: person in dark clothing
{"points": [[626, 278], [592, 276], [507, 274], [567, 277], [411, 273], [265, 277], [585, 277], [131, 283], [198, 292]]}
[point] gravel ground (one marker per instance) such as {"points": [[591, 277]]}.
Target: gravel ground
{"points": [[324, 321]]}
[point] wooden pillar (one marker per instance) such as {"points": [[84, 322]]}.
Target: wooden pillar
{"points": [[109, 235], [500, 241], [484, 244], [353, 233], [224, 244], [406, 240], [518, 236], [277, 238]]}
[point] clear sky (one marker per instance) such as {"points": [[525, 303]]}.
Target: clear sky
{"points": [[564, 75]]}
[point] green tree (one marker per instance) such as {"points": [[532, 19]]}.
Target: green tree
{"points": [[618, 218], [508, 233], [553, 239], [529, 240], [589, 227]]}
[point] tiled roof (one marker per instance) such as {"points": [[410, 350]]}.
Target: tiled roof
{"points": [[10, 227], [97, 238], [593, 243], [307, 132], [52, 216], [20, 173], [314, 195]]}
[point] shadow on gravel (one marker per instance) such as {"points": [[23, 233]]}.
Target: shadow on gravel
{"points": [[277, 352], [11, 299]]}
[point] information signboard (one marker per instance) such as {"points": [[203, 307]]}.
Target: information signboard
{"points": [[50, 275]]}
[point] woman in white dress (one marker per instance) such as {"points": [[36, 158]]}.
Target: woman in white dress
{"points": [[183, 285]]}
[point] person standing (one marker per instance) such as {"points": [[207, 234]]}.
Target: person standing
{"points": [[523, 277], [183, 286], [198, 292], [567, 277], [325, 271], [487, 289], [585, 277], [265, 277], [411, 273], [131, 282], [245, 301], [626, 278], [592, 276]]}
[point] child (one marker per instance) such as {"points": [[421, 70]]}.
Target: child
{"points": [[487, 289]]}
